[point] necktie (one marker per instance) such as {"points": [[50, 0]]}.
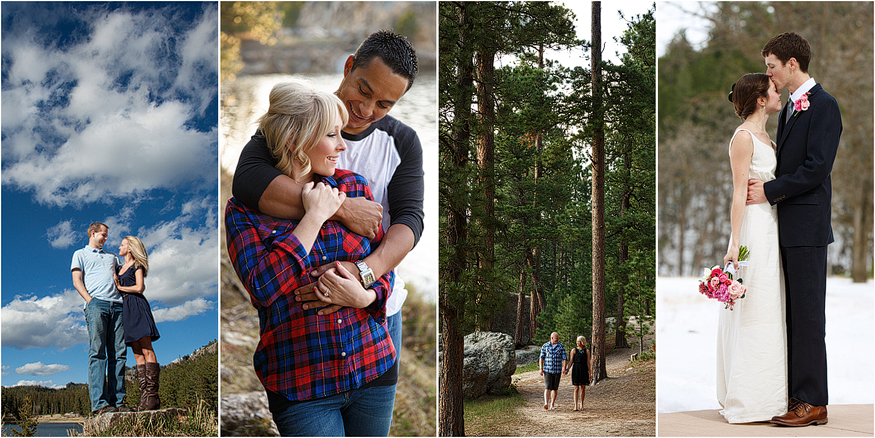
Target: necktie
{"points": [[790, 107]]}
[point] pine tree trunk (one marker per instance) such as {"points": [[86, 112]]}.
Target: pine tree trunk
{"points": [[520, 328], [486, 164], [599, 370], [451, 421], [620, 340], [452, 413]]}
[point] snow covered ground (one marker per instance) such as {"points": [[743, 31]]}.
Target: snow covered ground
{"points": [[687, 330]]}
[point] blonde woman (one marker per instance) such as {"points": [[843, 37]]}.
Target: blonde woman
{"points": [[325, 374], [581, 375], [140, 330]]}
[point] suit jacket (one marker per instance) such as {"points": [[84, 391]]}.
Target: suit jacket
{"points": [[807, 146]]}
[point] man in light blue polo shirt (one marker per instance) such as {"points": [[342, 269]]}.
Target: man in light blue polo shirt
{"points": [[93, 277]]}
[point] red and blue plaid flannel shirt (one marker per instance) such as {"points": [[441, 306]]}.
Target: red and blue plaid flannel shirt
{"points": [[303, 355]]}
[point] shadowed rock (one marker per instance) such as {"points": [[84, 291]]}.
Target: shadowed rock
{"points": [[97, 425], [490, 362]]}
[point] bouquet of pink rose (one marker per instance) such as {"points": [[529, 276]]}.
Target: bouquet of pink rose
{"points": [[720, 285]]}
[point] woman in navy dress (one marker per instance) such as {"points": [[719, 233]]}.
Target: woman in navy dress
{"points": [[140, 328], [580, 375]]}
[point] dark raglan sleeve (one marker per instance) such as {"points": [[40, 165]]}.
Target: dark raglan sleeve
{"points": [[255, 171], [406, 190]]}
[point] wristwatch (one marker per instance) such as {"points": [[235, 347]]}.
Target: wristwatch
{"points": [[366, 273]]}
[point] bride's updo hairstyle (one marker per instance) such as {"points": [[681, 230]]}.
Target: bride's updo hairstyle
{"points": [[297, 119], [746, 91]]}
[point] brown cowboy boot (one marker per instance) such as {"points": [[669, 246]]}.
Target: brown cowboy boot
{"points": [[151, 400], [141, 380]]}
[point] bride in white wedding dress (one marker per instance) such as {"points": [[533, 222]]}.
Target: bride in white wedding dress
{"points": [[752, 338]]}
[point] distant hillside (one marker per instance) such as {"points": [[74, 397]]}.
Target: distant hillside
{"points": [[184, 382]]}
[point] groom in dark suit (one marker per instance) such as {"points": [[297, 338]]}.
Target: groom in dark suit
{"points": [[809, 129]]}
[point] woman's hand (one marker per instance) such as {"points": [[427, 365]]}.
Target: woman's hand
{"points": [[339, 287], [731, 256], [321, 200]]}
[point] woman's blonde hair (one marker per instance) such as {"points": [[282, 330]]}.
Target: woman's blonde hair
{"points": [[582, 340], [298, 118], [138, 251]]}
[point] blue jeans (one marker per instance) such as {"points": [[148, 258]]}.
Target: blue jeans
{"points": [[393, 326], [106, 354], [360, 412]]}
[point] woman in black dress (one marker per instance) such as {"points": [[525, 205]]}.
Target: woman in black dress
{"points": [[580, 373], [140, 328]]}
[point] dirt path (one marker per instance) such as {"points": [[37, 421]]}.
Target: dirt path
{"points": [[622, 405]]}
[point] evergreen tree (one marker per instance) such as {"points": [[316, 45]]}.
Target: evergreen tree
{"points": [[27, 421]]}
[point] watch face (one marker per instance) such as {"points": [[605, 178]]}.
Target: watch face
{"points": [[368, 278]]}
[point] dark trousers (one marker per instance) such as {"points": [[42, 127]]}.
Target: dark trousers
{"points": [[805, 281]]}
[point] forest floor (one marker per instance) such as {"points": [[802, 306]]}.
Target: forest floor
{"points": [[624, 404]]}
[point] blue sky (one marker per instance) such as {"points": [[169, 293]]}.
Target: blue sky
{"points": [[109, 114]]}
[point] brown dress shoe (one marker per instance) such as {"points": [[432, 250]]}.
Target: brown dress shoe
{"points": [[803, 414]]}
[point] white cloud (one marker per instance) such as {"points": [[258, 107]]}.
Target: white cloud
{"points": [[54, 321], [178, 313], [46, 383], [39, 369], [110, 116], [5, 370], [63, 236], [183, 255]]}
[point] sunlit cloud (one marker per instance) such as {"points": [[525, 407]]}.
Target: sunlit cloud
{"points": [[56, 321], [178, 313], [40, 369], [108, 117], [46, 383], [63, 236]]}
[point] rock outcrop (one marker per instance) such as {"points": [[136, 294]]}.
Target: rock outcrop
{"points": [[490, 362], [96, 426], [247, 415]]}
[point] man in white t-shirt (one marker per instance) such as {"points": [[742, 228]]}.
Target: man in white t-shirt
{"points": [[380, 148]]}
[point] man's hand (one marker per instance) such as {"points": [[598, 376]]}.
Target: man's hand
{"points": [[755, 192], [342, 284], [307, 296], [361, 216]]}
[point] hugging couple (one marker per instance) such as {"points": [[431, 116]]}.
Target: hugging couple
{"points": [[117, 315], [771, 350], [309, 241]]}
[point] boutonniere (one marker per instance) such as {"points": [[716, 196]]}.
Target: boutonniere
{"points": [[802, 104]]}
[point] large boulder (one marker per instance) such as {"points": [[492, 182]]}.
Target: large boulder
{"points": [[527, 355], [247, 415], [490, 362]]}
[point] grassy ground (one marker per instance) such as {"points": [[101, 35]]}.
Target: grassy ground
{"points": [[485, 413]]}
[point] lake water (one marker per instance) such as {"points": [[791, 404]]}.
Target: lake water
{"points": [[48, 429], [246, 99]]}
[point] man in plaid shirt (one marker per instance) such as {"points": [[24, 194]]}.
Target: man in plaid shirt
{"points": [[552, 364]]}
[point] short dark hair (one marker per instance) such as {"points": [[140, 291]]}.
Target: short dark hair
{"points": [[746, 91], [789, 45], [393, 49]]}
